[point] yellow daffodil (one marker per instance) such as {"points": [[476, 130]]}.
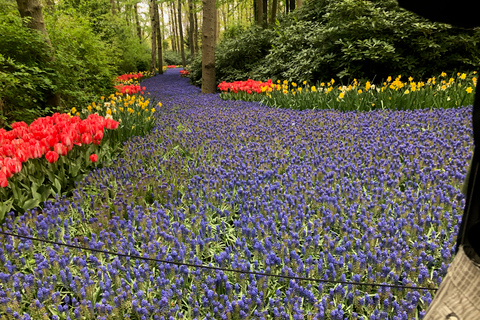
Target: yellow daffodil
{"points": [[359, 91], [469, 90], [443, 74], [313, 89], [341, 95]]}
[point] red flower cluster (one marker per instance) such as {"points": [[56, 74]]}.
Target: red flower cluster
{"points": [[248, 86], [126, 77], [171, 66], [50, 136], [131, 89], [184, 73]]}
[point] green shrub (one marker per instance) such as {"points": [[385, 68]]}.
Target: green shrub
{"points": [[175, 58]]}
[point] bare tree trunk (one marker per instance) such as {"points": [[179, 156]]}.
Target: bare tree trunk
{"points": [[259, 6], [154, 36], [137, 22], [176, 26], [208, 46], [292, 5], [174, 38], [217, 29], [114, 11], [264, 16], [195, 32], [33, 9], [180, 29], [299, 3], [273, 13], [192, 25], [159, 40]]}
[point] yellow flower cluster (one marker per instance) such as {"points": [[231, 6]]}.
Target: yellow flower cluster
{"points": [[390, 85], [120, 106]]}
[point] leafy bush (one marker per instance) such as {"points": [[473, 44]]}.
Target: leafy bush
{"points": [[175, 58], [25, 70]]}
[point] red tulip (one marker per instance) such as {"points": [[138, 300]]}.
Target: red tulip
{"points": [[3, 180], [93, 158], [98, 135], [86, 138], [111, 124], [13, 165], [60, 149], [51, 156]]}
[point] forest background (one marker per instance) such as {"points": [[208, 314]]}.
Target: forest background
{"points": [[86, 43]]}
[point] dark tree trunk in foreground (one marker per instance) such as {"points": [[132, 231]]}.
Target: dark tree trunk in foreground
{"points": [[153, 25], [208, 46], [114, 11], [180, 30], [33, 9], [159, 39]]}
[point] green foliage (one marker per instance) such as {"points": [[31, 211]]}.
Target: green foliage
{"points": [[25, 70], [90, 47], [175, 58]]}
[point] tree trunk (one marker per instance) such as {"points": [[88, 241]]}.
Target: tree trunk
{"points": [[154, 36], [292, 5], [273, 13], [114, 11], [175, 21], [192, 24], [264, 16], [287, 6], [33, 9], [174, 38], [195, 33], [180, 30], [299, 3], [159, 40], [217, 29], [208, 46], [259, 6], [137, 22]]}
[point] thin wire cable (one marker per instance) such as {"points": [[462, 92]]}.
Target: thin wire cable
{"points": [[219, 268]]}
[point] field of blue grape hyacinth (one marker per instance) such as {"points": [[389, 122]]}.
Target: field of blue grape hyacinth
{"points": [[356, 196]]}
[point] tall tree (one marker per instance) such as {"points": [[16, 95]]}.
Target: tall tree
{"points": [[180, 30], [195, 32], [32, 9], [153, 25], [114, 10], [174, 33], [159, 39], [208, 46], [191, 31], [259, 12], [273, 12], [137, 21], [175, 21]]}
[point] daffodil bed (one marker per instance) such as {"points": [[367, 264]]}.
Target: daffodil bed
{"points": [[393, 94], [361, 196]]}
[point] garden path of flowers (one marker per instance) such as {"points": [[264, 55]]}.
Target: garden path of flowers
{"points": [[370, 197]]}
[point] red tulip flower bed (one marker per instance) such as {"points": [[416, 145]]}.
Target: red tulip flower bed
{"points": [[130, 89], [129, 76], [248, 86], [184, 73], [68, 144]]}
